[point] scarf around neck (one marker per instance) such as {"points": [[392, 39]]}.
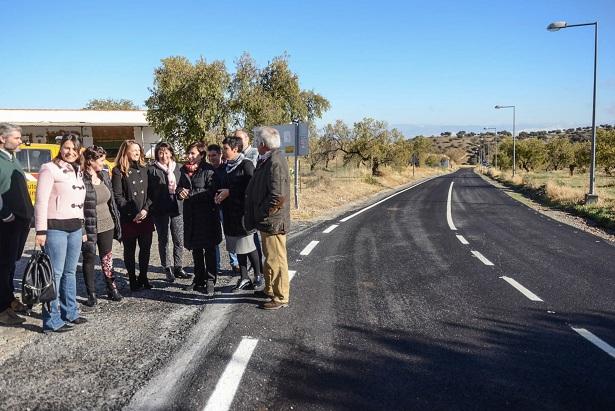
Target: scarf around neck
{"points": [[191, 168], [232, 164], [170, 172]]}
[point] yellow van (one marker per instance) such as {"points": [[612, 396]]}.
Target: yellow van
{"points": [[33, 156]]}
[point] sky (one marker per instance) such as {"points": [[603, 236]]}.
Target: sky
{"points": [[422, 66]]}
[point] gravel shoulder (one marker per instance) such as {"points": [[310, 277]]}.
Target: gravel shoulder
{"points": [[103, 363]]}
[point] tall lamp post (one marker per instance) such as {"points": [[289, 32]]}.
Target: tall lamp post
{"points": [[496, 143], [592, 196], [514, 143]]}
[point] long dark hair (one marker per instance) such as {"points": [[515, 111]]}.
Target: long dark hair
{"points": [[67, 137]]}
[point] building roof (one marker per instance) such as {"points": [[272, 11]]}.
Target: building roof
{"points": [[83, 118]]}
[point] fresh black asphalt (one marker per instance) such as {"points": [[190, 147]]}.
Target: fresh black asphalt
{"points": [[392, 311]]}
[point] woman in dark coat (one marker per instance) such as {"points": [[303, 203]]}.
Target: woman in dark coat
{"points": [[102, 223], [202, 231], [129, 180], [166, 209], [231, 198]]}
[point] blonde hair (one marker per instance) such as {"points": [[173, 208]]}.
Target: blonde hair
{"points": [[122, 161]]}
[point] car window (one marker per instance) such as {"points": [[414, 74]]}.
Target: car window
{"points": [[38, 158], [22, 157], [31, 160]]}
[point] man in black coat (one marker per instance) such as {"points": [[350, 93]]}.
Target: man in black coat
{"points": [[16, 213], [267, 208]]}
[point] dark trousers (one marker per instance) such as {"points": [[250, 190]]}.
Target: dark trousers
{"points": [[130, 247], [162, 223], [205, 263], [243, 264], [104, 241], [13, 238]]}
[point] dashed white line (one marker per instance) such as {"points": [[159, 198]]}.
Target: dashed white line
{"points": [[596, 341], [308, 248], [331, 228], [224, 393], [343, 220], [482, 258], [449, 215], [462, 239], [521, 289], [291, 274]]}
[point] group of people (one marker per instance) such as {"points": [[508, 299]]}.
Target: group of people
{"points": [[232, 191]]}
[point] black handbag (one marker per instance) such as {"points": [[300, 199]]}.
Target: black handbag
{"points": [[38, 285]]}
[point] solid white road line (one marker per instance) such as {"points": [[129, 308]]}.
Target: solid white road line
{"points": [[462, 239], [482, 258], [596, 341], [308, 248], [331, 228], [224, 393], [449, 215], [291, 274], [343, 220], [521, 289]]}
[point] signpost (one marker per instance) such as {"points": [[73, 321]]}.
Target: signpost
{"points": [[294, 140]]}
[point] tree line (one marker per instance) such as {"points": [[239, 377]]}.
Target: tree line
{"points": [[533, 154]]}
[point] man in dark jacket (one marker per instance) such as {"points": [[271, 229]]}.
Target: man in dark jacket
{"points": [[16, 213], [268, 210]]}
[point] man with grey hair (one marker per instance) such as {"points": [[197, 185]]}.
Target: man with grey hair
{"points": [[267, 208], [16, 213]]}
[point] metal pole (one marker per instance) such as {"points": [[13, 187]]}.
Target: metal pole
{"points": [[514, 145], [592, 197], [496, 148], [296, 164]]}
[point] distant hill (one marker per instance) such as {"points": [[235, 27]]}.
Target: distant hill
{"points": [[471, 142]]}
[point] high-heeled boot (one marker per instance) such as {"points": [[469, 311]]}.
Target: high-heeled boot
{"points": [[112, 292], [144, 282], [135, 285]]}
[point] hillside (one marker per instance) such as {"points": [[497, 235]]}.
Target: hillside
{"points": [[470, 143]]}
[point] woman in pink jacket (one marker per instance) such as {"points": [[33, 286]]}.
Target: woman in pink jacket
{"points": [[58, 213]]}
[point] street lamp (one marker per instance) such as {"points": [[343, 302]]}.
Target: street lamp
{"points": [[514, 145], [592, 196], [496, 143]]}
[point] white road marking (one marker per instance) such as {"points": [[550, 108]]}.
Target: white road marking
{"points": [[462, 239], [224, 393], [521, 289], [449, 216], [331, 228], [291, 274], [343, 220], [308, 248], [596, 341], [482, 258]]}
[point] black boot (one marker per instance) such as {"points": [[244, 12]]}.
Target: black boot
{"points": [[112, 292], [135, 285], [144, 281], [92, 301]]}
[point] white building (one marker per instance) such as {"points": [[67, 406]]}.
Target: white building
{"points": [[103, 128]]}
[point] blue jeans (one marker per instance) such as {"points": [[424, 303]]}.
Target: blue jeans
{"points": [[63, 249]]}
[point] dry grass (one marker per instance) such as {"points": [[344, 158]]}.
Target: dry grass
{"points": [[562, 194], [323, 191], [558, 188]]}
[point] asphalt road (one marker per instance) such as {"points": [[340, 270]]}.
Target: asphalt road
{"points": [[392, 310]]}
